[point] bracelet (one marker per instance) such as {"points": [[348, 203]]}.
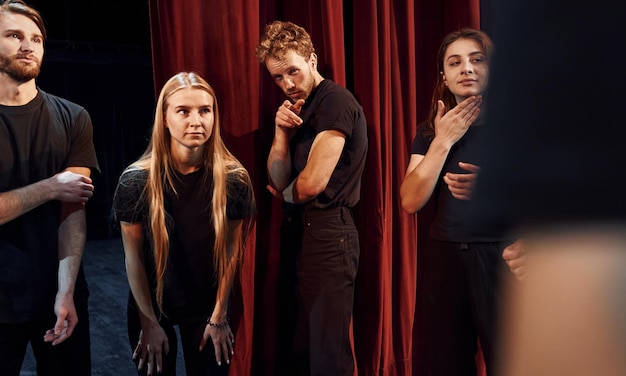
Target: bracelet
{"points": [[219, 325]]}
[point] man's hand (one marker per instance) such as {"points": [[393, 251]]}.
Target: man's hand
{"points": [[287, 114], [514, 255], [274, 192], [67, 187], [462, 185], [66, 320], [72, 187]]}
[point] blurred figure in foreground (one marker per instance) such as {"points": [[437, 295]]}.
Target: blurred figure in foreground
{"points": [[551, 173]]}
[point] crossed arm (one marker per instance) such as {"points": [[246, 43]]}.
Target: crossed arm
{"points": [[70, 186], [423, 171], [323, 158]]}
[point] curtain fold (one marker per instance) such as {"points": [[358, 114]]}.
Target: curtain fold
{"points": [[387, 96], [384, 52]]}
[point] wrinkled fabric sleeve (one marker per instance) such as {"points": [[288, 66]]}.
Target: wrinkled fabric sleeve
{"points": [[128, 201], [240, 202]]}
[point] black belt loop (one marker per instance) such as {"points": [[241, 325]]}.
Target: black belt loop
{"points": [[346, 214], [463, 246]]}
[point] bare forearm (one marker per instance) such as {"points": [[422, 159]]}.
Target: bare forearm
{"points": [[72, 236], [70, 186], [225, 284], [419, 184], [22, 200], [138, 282], [298, 192], [279, 162], [223, 292], [132, 239], [324, 155], [278, 170]]}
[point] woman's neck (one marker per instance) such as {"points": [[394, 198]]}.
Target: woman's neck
{"points": [[187, 160]]}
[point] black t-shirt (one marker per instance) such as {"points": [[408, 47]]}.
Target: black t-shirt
{"points": [[37, 140], [555, 154], [450, 220], [189, 284], [332, 107]]}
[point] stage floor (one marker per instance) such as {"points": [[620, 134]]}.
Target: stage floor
{"points": [[106, 275]]}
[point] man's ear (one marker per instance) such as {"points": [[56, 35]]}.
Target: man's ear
{"points": [[313, 60]]}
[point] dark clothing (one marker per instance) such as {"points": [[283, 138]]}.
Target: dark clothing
{"points": [[319, 263], [291, 232], [320, 244], [326, 270], [450, 222], [332, 107], [462, 273], [201, 363], [189, 273], [37, 141], [461, 297], [190, 288], [555, 152], [71, 358]]}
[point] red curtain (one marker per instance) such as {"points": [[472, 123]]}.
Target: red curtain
{"points": [[384, 52]]}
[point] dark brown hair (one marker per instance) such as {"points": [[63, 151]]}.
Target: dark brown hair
{"points": [[20, 7], [441, 91]]}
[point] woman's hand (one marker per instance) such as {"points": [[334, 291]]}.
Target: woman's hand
{"points": [[462, 185], [223, 341], [514, 255], [152, 343], [452, 125]]}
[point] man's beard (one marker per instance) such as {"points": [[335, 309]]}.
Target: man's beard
{"points": [[306, 88], [17, 70]]}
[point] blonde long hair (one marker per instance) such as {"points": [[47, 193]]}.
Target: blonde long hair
{"points": [[218, 163]]}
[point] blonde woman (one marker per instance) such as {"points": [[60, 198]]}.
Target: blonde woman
{"points": [[181, 209]]}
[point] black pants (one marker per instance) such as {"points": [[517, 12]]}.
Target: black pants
{"points": [[319, 257], [461, 288], [197, 363], [70, 358]]}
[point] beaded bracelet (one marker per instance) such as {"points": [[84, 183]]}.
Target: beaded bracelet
{"points": [[219, 325]]}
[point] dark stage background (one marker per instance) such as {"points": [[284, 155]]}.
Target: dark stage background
{"points": [[98, 55], [109, 57]]}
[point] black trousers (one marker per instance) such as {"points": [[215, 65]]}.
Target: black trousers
{"points": [[197, 363], [70, 358], [319, 263], [462, 284]]}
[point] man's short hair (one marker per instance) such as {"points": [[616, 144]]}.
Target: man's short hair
{"points": [[282, 36], [20, 7]]}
